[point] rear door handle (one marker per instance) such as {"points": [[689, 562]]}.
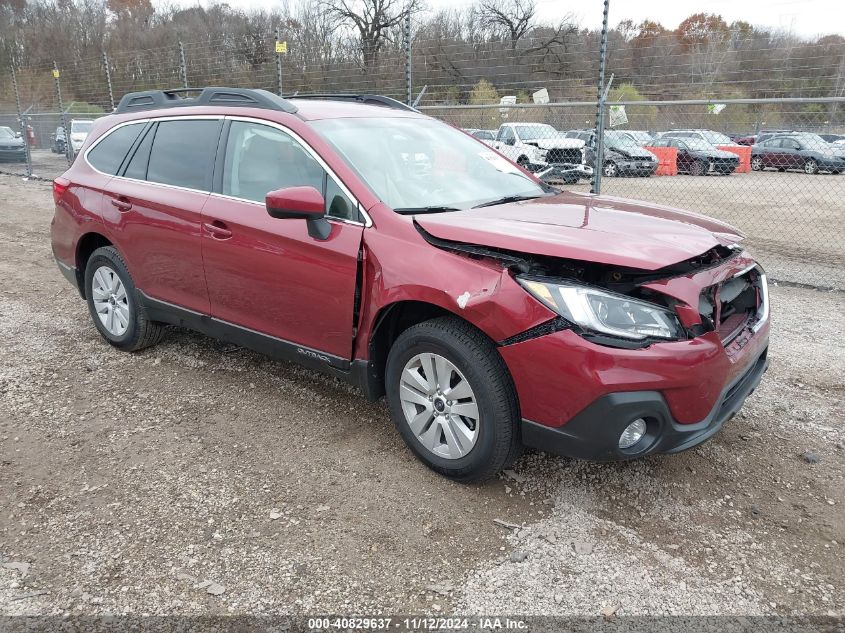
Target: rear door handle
{"points": [[218, 230], [122, 203]]}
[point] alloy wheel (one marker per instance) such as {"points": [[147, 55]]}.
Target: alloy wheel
{"points": [[757, 164], [439, 405], [110, 300], [610, 169], [811, 167]]}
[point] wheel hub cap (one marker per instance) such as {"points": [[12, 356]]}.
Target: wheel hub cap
{"points": [[110, 300], [439, 406]]}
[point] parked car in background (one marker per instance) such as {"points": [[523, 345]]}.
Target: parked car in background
{"points": [[491, 310], [708, 136], [640, 137], [832, 138], [58, 142], [744, 139], [543, 150], [767, 134], [79, 130], [12, 146], [622, 155], [699, 158], [807, 152], [487, 136]]}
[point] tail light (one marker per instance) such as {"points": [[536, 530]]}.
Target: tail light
{"points": [[60, 185]]}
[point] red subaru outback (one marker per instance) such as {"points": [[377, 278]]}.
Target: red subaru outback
{"points": [[358, 237]]}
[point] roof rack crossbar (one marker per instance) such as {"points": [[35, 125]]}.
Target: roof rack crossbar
{"points": [[380, 100], [209, 96]]}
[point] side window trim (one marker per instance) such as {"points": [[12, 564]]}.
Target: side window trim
{"points": [[149, 128], [220, 158], [365, 220]]}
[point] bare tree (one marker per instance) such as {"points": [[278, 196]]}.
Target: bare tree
{"points": [[372, 19], [511, 19]]}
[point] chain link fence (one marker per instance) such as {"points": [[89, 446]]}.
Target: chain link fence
{"points": [[773, 166]]}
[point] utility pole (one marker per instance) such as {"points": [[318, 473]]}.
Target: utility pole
{"points": [[602, 98], [279, 53], [408, 59]]}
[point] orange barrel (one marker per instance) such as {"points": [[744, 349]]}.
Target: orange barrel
{"points": [[744, 153], [667, 160]]}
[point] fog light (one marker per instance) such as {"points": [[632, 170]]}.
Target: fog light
{"points": [[632, 434]]}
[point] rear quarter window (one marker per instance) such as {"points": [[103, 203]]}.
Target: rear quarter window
{"points": [[108, 154]]}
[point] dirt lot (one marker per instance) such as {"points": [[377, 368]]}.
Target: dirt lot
{"points": [[129, 482]]}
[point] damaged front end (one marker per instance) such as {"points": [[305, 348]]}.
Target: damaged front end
{"points": [[721, 291]]}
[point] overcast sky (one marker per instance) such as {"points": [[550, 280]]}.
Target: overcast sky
{"points": [[803, 17]]}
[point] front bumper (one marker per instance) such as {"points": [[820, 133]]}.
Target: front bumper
{"points": [[576, 396], [636, 167], [13, 155], [564, 172], [593, 433]]}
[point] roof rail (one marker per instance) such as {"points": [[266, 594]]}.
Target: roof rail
{"points": [[379, 100], [210, 96]]}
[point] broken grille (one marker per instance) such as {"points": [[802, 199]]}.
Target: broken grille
{"points": [[569, 156], [736, 305]]}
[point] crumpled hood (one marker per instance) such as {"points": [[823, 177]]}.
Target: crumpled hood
{"points": [[584, 227], [556, 143], [633, 152]]}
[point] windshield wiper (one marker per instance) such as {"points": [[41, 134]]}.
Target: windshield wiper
{"points": [[418, 210], [507, 199]]}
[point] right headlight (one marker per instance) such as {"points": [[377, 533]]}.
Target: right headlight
{"points": [[605, 312]]}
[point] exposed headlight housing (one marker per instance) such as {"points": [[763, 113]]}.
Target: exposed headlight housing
{"points": [[605, 312]]}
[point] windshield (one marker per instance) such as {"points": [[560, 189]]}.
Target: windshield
{"points": [[533, 132], [641, 137], [412, 163], [618, 139], [715, 138], [811, 141], [696, 143], [6, 132], [81, 126]]}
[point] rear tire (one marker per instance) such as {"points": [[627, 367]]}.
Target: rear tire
{"points": [[699, 168], [757, 163], [811, 166], [114, 304], [610, 169], [451, 443]]}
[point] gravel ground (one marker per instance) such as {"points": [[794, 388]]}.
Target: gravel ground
{"points": [[196, 477]]}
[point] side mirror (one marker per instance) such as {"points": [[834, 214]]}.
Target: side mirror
{"points": [[510, 141], [302, 203]]}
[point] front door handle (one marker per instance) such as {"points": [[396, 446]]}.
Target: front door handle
{"points": [[218, 230], [122, 203]]}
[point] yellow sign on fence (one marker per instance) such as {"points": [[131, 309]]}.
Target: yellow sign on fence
{"points": [[281, 47], [55, 73]]}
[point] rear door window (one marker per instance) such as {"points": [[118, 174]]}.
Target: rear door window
{"points": [[183, 153], [108, 154]]}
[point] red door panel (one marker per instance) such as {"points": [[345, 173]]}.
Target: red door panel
{"points": [[157, 228], [269, 275]]}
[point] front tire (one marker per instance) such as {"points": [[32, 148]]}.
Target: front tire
{"points": [[757, 163], [610, 169], [699, 168], [114, 304], [811, 166], [452, 399]]}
